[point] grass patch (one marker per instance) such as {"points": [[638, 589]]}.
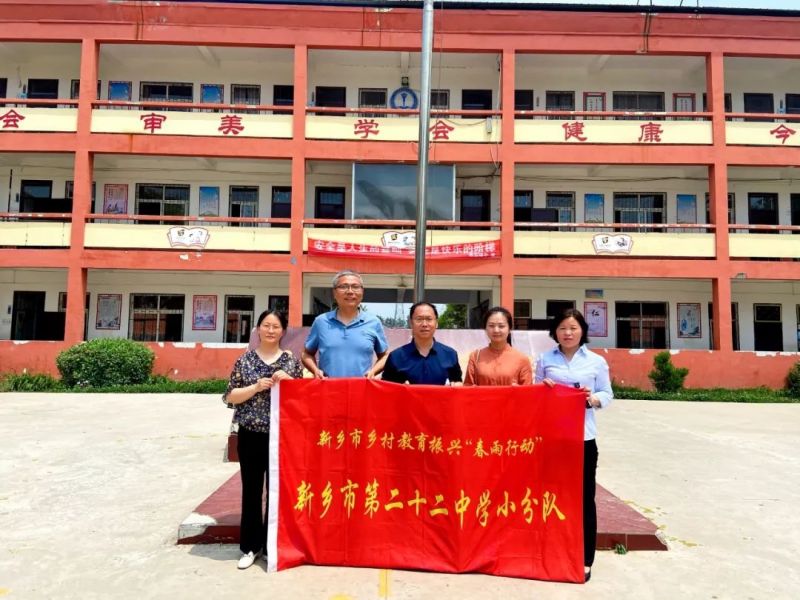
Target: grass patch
{"points": [[747, 395], [157, 384]]}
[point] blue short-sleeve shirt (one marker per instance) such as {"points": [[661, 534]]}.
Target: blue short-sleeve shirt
{"points": [[346, 350], [407, 364]]}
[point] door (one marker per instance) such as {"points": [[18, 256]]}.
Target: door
{"points": [[767, 327], [27, 313]]}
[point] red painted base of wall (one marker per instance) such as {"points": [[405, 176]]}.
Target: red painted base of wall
{"points": [[628, 367]]}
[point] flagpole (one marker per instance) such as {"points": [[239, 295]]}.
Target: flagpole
{"points": [[422, 164]]}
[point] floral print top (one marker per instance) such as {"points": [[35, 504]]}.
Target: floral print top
{"points": [[253, 414]]}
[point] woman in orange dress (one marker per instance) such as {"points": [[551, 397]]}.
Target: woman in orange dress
{"points": [[498, 363]]}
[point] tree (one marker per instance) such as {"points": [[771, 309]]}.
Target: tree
{"points": [[454, 317]]}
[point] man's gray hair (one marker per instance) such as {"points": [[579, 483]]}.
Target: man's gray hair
{"points": [[346, 273]]}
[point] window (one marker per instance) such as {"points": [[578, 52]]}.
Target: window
{"points": [[767, 327], [633, 207], [476, 99], [243, 202], [639, 101], [330, 96], [372, 98], [281, 204], [523, 206], [44, 89], [559, 101], [475, 205], [75, 89], [239, 311], [523, 100], [727, 100], [440, 99], [166, 92], [734, 325], [158, 199], [731, 208], [283, 95], [3, 87], [555, 308], [279, 303], [792, 104], [762, 209], [156, 317], [522, 313], [759, 103], [35, 195], [246, 94], [794, 199], [329, 203], [642, 325], [564, 203]]}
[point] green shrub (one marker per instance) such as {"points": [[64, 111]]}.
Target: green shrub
{"points": [[104, 363], [30, 382], [793, 381], [665, 376]]}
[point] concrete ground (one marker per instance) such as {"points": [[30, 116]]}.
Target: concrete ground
{"points": [[93, 488]]}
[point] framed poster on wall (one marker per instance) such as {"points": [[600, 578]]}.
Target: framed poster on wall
{"points": [[596, 314], [204, 313], [689, 325], [115, 199], [209, 201], [109, 311]]}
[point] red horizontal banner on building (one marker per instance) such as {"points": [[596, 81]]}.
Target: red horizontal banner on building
{"points": [[451, 479], [489, 249]]}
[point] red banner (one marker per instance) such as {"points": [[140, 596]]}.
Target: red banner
{"points": [[451, 479], [490, 249]]}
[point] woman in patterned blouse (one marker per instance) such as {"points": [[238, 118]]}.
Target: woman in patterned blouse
{"points": [[254, 373]]}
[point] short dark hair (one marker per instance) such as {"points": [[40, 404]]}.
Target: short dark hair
{"points": [[573, 313], [417, 305], [277, 314], [502, 311]]}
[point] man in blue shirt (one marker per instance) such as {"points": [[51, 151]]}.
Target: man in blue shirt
{"points": [[345, 337], [424, 360]]}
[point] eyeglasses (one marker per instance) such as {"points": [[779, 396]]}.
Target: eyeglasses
{"points": [[421, 320], [356, 287]]}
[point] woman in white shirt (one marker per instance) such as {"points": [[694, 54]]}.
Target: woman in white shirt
{"points": [[572, 363]]}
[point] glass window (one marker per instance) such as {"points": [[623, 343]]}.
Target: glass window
{"points": [[559, 100], [281, 204], [762, 209], [564, 203], [792, 104], [767, 327], [727, 99], [639, 101], [159, 199], [523, 100], [246, 94], [642, 325], [523, 206], [156, 317], [166, 92], [634, 207], [330, 96], [243, 202], [594, 208], [283, 95], [759, 103], [372, 98], [440, 99], [476, 99], [329, 203], [731, 208], [75, 89], [475, 205]]}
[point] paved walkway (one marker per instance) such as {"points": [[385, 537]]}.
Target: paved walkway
{"points": [[93, 487]]}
